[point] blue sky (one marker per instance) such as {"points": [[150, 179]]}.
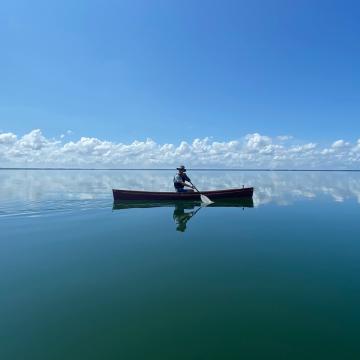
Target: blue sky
{"points": [[179, 70]]}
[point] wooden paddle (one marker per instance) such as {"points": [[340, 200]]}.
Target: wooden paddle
{"points": [[203, 198]]}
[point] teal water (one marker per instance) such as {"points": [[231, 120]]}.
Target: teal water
{"points": [[81, 280]]}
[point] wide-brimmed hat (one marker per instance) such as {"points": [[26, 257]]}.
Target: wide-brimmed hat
{"points": [[182, 168]]}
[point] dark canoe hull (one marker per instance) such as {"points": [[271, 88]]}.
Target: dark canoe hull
{"points": [[120, 195]]}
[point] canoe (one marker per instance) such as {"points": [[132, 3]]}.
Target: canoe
{"points": [[213, 195]]}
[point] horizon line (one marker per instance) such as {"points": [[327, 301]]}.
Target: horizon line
{"points": [[167, 169]]}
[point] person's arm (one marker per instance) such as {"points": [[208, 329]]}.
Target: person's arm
{"points": [[183, 183], [179, 179], [188, 185], [188, 179]]}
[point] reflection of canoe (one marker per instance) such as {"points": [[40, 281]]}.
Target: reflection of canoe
{"points": [[120, 195], [246, 202]]}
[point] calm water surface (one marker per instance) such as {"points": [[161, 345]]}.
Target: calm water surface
{"points": [[276, 279]]}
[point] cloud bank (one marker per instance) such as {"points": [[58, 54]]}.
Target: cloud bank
{"points": [[252, 151]]}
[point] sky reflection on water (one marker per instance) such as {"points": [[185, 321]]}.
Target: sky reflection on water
{"points": [[54, 189]]}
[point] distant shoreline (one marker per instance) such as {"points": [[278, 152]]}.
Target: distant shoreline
{"points": [[168, 169]]}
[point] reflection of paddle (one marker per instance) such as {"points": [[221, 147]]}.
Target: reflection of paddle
{"points": [[195, 212], [182, 218], [200, 207], [203, 198]]}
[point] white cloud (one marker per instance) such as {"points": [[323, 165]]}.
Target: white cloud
{"points": [[251, 151], [67, 133], [34, 140], [7, 138], [256, 142], [339, 144], [327, 151], [303, 148], [356, 148], [284, 137]]}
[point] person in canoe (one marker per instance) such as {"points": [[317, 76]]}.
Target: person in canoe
{"points": [[180, 180]]}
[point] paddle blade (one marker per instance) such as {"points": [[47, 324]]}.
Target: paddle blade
{"points": [[205, 199]]}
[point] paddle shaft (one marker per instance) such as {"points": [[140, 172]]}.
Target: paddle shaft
{"points": [[194, 186], [203, 197]]}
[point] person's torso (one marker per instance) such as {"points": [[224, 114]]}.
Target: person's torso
{"points": [[179, 179]]}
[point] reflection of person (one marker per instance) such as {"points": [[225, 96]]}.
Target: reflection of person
{"points": [[181, 217], [180, 180]]}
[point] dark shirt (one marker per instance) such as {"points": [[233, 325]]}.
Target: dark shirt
{"points": [[179, 179]]}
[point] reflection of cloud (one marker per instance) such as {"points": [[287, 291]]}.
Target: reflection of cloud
{"points": [[282, 188], [251, 151]]}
